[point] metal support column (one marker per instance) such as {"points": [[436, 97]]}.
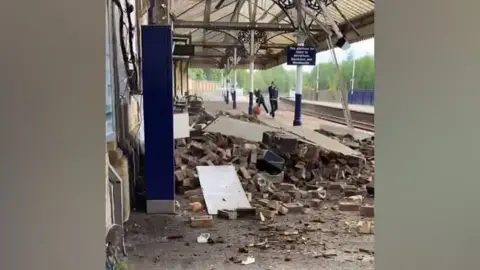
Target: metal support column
{"points": [[252, 66], [297, 121], [182, 70], [158, 118], [316, 83], [227, 82], [175, 82], [151, 12], [353, 75], [234, 87], [187, 91]]}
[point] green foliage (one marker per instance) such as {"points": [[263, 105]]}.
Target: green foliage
{"points": [[285, 79], [209, 74]]}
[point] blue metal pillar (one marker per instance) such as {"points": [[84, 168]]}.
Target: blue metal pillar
{"points": [[158, 118], [252, 66], [227, 92], [234, 88], [297, 120]]}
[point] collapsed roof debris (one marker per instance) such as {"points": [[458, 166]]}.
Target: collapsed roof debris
{"points": [[279, 171]]}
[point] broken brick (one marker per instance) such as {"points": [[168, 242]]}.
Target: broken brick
{"points": [[249, 196], [245, 174], [287, 186], [267, 213], [274, 205], [367, 211], [196, 198], [294, 207], [283, 210], [236, 151], [304, 194], [348, 206], [300, 165], [263, 202], [313, 187], [317, 194], [249, 147], [246, 212], [179, 176], [350, 190], [196, 146], [324, 184], [205, 221], [196, 207], [282, 196], [253, 157], [193, 192], [338, 186], [295, 194], [188, 183], [316, 202], [210, 163], [282, 142], [227, 214], [365, 227]]}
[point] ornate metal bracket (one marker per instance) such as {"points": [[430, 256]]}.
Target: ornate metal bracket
{"points": [[245, 38], [288, 7]]}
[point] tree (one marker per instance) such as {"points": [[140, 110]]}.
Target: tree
{"points": [[285, 79]]}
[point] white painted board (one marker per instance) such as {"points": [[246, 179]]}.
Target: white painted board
{"points": [[181, 127], [221, 188]]}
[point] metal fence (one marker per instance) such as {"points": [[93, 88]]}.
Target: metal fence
{"points": [[355, 96]]}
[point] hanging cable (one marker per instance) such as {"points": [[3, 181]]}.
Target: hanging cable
{"points": [[127, 53]]}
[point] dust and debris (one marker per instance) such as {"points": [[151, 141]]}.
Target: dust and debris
{"points": [[308, 204]]}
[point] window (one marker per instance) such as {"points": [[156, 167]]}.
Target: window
{"points": [[110, 119]]}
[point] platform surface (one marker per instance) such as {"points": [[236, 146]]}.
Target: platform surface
{"points": [[352, 107], [214, 103]]}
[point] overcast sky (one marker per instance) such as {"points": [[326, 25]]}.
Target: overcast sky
{"points": [[359, 49]]}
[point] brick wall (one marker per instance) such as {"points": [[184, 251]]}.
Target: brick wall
{"points": [[199, 86]]}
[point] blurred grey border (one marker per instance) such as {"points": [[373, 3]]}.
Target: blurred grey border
{"points": [[52, 135], [427, 67]]}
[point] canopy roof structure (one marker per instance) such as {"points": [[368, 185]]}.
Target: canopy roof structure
{"points": [[215, 27]]}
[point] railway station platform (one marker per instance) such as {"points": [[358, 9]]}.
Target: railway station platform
{"points": [[362, 115], [353, 107], [214, 103]]}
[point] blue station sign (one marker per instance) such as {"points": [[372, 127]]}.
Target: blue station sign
{"points": [[301, 55]]}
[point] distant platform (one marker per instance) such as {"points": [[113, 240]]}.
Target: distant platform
{"points": [[352, 107]]}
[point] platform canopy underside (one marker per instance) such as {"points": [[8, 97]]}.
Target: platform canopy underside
{"points": [[213, 27]]}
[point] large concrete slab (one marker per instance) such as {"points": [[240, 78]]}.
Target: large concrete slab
{"points": [[342, 131], [238, 128], [221, 188], [254, 132], [316, 138]]}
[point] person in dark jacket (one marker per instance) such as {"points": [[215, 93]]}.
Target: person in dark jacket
{"points": [[273, 93], [260, 100]]}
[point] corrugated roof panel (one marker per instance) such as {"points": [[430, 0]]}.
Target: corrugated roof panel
{"points": [[266, 12], [182, 7]]}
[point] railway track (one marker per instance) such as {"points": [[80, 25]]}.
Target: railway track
{"points": [[331, 118]]}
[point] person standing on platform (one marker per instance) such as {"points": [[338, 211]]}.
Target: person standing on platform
{"points": [[273, 93], [260, 99]]}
